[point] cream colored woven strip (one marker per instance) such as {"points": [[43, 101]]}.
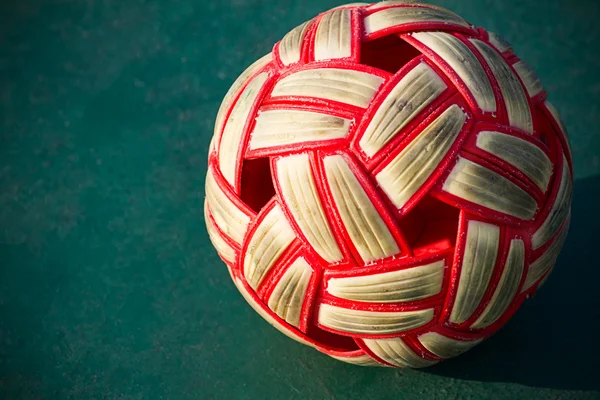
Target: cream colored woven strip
{"points": [[539, 267], [299, 192], [229, 218], [363, 360], [372, 322], [398, 16], [266, 316], [521, 154], [290, 47], [387, 287], [529, 78], [269, 241], [284, 127], [364, 225], [234, 129], [415, 91], [499, 43], [289, 293], [445, 347], [480, 185], [388, 3], [507, 286], [411, 168], [396, 352], [478, 261], [344, 85], [462, 61], [223, 248], [559, 210], [333, 38], [239, 82], [517, 107]]}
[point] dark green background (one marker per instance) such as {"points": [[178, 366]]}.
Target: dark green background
{"points": [[109, 287]]}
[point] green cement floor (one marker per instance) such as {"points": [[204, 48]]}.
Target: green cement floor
{"points": [[109, 288]]}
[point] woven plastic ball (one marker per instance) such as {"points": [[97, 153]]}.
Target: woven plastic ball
{"points": [[389, 184]]}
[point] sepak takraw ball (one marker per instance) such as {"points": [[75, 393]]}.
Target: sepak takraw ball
{"points": [[389, 184]]}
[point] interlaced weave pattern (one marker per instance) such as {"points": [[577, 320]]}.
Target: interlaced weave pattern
{"points": [[389, 184]]}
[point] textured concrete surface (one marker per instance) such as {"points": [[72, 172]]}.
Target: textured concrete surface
{"points": [[109, 287]]}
